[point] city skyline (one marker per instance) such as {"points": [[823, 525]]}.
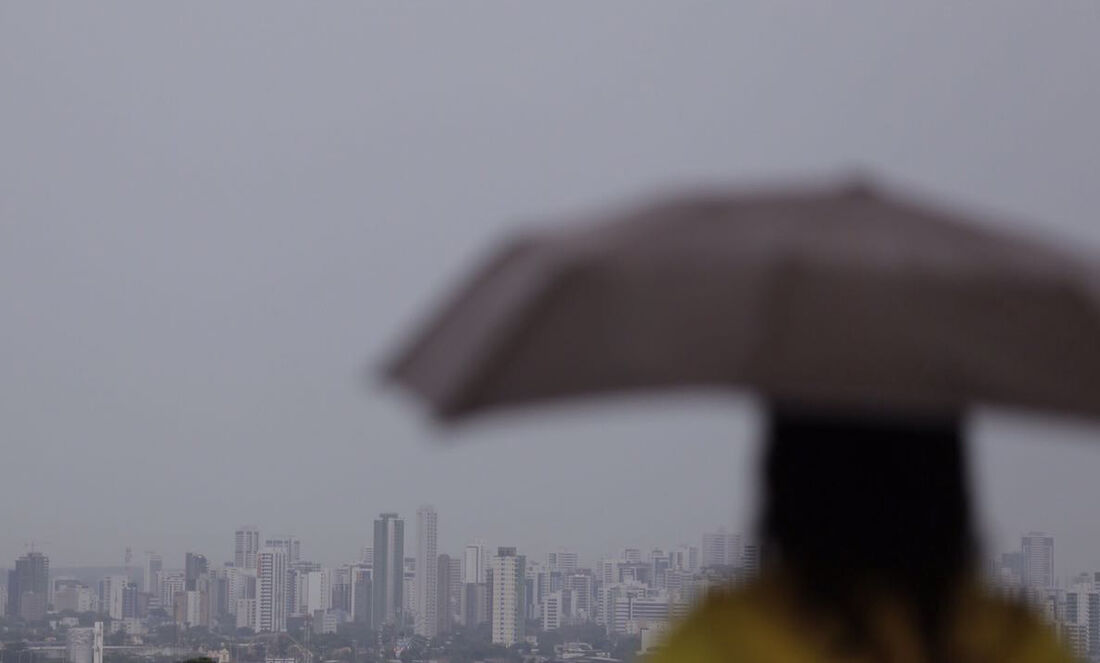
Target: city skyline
{"points": [[510, 591], [1031, 557]]}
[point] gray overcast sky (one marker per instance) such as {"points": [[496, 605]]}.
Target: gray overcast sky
{"points": [[213, 216]]}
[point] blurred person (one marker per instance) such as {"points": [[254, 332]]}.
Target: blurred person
{"points": [[870, 554]]}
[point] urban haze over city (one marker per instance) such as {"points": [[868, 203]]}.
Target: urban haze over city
{"points": [[216, 223], [402, 596]]}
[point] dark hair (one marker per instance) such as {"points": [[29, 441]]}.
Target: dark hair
{"points": [[859, 505]]}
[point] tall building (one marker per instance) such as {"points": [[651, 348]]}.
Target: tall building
{"points": [[170, 584], [361, 598], [246, 544], [685, 558], [1037, 549], [112, 596], [721, 548], [29, 587], [508, 597], [194, 567], [474, 562], [582, 588], [456, 585], [474, 604], [291, 545], [153, 564], [408, 590], [246, 613], [271, 590], [236, 587], [443, 587], [389, 570], [427, 572], [563, 560], [551, 611]]}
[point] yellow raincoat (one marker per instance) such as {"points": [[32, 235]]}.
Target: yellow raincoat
{"points": [[760, 623]]}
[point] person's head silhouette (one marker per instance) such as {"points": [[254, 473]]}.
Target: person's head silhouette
{"points": [[864, 506]]}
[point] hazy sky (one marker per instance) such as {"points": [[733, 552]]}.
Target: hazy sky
{"points": [[213, 216]]}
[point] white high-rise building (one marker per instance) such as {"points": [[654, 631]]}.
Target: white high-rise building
{"points": [[508, 597], [153, 563], [317, 592], [290, 545], [236, 586], [475, 563], [170, 584], [246, 613], [1038, 560], [246, 543], [366, 556], [551, 611], [721, 548], [271, 590], [562, 560], [427, 572], [112, 595], [685, 558]]}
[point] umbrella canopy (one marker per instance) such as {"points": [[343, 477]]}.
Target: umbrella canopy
{"points": [[839, 298]]}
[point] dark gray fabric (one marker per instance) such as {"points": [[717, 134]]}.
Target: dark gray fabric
{"points": [[836, 298]]}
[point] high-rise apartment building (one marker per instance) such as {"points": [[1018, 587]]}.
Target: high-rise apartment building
{"points": [[551, 611], [153, 564], [290, 545], [508, 592], [170, 583], [29, 587], [562, 560], [456, 582], [474, 604], [361, 599], [389, 570], [112, 596], [1038, 560], [194, 567], [271, 590], [317, 591], [685, 558], [475, 562], [443, 585], [427, 572], [721, 548], [246, 544]]}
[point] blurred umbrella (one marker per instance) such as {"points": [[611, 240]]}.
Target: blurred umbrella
{"points": [[839, 297]]}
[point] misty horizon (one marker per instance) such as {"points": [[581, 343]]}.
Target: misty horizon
{"points": [[213, 218]]}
